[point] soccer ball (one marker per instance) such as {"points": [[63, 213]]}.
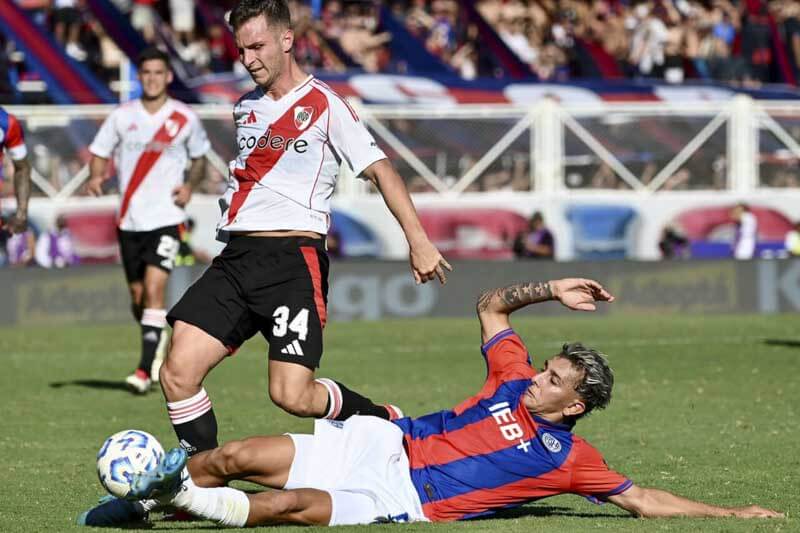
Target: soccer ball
{"points": [[124, 454]]}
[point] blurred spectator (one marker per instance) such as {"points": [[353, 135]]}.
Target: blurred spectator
{"points": [[311, 49], [756, 40], [788, 14], [143, 18], [20, 248], [744, 243], [7, 95], [673, 245], [792, 241], [649, 37], [182, 17], [360, 41], [67, 27], [110, 55], [537, 242], [55, 248], [219, 56]]}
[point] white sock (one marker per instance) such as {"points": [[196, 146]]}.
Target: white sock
{"points": [[223, 505], [149, 505]]}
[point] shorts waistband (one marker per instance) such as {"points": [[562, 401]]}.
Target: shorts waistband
{"points": [[274, 243]]}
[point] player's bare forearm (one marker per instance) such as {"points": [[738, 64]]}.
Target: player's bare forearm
{"points": [[655, 503], [577, 294], [22, 186], [97, 168], [495, 305], [391, 186], [426, 261], [197, 172], [508, 299], [97, 175]]}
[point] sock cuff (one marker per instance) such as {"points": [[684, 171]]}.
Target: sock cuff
{"points": [[155, 318], [334, 397], [190, 409], [239, 509]]}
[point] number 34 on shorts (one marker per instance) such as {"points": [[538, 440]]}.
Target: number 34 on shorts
{"points": [[298, 324], [168, 248]]}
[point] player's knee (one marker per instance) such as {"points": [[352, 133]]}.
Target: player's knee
{"points": [[291, 399], [177, 378], [231, 458]]}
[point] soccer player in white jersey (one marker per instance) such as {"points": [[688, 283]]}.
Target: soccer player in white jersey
{"points": [[293, 132], [152, 139]]}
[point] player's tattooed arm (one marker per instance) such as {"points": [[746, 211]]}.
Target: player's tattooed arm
{"points": [[578, 294], [183, 192], [508, 299], [197, 172]]}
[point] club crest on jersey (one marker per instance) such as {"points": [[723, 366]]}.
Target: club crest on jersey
{"points": [[551, 443], [302, 117], [171, 127]]}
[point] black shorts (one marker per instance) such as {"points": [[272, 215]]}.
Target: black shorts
{"points": [[275, 285], [67, 16], [157, 247]]}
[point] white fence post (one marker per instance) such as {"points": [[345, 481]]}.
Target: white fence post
{"points": [[548, 147], [743, 146]]}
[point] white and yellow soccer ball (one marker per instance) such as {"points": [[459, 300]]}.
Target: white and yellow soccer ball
{"points": [[124, 454]]}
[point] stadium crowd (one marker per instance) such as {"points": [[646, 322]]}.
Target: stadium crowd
{"points": [[743, 42], [673, 40]]}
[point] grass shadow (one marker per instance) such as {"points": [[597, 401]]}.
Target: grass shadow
{"points": [[101, 384], [783, 342], [548, 510]]}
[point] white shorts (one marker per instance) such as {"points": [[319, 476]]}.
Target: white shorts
{"points": [[362, 464]]}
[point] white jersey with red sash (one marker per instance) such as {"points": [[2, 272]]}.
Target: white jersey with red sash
{"points": [[290, 152], [151, 152]]}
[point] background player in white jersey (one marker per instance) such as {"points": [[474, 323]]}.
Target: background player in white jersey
{"points": [[152, 139], [293, 133], [12, 141]]}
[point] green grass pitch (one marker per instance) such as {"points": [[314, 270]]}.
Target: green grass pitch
{"points": [[703, 406]]}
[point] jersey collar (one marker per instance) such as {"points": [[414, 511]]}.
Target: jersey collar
{"points": [[546, 423]]}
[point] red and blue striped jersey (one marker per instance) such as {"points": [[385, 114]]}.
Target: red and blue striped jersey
{"points": [[11, 138], [490, 453]]}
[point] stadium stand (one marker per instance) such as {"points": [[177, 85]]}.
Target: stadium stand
{"points": [[749, 42], [644, 54]]}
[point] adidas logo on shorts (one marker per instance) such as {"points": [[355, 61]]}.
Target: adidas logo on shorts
{"points": [[293, 348]]}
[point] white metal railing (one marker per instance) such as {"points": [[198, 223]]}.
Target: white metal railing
{"points": [[451, 148]]}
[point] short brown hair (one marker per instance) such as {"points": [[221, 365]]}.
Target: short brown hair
{"points": [[151, 53], [275, 11]]}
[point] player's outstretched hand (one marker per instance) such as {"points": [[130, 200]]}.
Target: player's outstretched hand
{"points": [[579, 294], [427, 263], [181, 195], [94, 187], [754, 511]]}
